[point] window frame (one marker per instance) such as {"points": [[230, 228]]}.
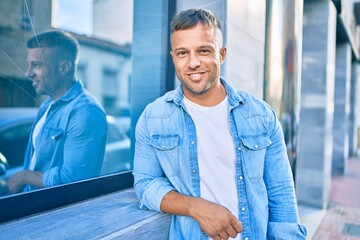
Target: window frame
{"points": [[30, 203]]}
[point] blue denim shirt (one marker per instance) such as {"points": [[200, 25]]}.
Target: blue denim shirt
{"points": [[71, 144], [166, 159]]}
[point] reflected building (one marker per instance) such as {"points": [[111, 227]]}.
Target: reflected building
{"points": [[104, 64], [17, 19]]}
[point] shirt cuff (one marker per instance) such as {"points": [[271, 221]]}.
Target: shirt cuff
{"points": [[50, 177], [285, 230], [154, 194]]}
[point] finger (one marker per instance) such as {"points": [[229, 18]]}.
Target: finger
{"points": [[217, 237], [238, 226], [231, 231], [223, 235]]}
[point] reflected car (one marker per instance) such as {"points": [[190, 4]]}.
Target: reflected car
{"points": [[15, 124], [117, 151]]}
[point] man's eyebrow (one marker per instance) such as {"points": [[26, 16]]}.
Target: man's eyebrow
{"points": [[199, 47], [178, 49], [35, 62]]}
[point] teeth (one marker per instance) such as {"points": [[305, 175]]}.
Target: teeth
{"points": [[195, 74]]}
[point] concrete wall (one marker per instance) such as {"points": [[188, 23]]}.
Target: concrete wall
{"points": [[112, 216], [354, 109], [341, 109], [317, 104], [246, 45]]}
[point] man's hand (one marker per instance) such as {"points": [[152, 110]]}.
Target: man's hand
{"points": [[17, 181], [215, 220]]}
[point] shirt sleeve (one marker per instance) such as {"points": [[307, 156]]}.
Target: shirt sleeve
{"points": [[84, 147], [150, 183], [283, 230], [283, 214]]}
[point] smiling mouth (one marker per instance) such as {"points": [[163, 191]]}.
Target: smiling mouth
{"points": [[196, 76]]}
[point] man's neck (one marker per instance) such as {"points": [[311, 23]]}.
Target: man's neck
{"points": [[212, 97], [63, 89]]}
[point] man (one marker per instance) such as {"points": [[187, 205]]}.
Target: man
{"points": [[67, 140], [213, 157]]}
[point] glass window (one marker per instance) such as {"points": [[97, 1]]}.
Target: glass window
{"points": [[104, 68]]}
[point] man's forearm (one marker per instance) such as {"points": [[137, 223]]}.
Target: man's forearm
{"points": [[17, 182], [213, 218], [176, 203], [34, 178]]}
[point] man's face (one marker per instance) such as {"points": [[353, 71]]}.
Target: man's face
{"points": [[43, 70], [197, 55]]}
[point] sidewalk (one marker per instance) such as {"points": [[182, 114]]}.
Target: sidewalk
{"points": [[341, 221]]}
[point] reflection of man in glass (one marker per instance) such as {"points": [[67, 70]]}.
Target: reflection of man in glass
{"points": [[67, 140]]}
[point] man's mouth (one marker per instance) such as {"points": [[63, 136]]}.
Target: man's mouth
{"points": [[195, 76]]}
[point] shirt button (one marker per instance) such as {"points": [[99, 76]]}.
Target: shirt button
{"points": [[164, 146], [239, 148], [243, 209], [53, 137], [192, 142], [241, 177], [256, 146], [202, 232], [246, 238], [193, 171]]}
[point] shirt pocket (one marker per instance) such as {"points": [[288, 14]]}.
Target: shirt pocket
{"points": [[167, 152], [50, 138], [254, 151]]}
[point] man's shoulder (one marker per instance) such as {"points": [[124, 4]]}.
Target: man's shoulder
{"points": [[162, 106], [252, 105], [86, 99]]}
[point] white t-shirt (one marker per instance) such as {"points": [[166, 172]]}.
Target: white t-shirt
{"points": [[36, 132], [216, 154]]}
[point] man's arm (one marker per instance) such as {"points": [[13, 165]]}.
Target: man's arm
{"points": [[215, 220], [17, 181], [283, 220]]}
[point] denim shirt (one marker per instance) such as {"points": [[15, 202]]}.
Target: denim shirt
{"points": [[71, 144], [166, 159]]}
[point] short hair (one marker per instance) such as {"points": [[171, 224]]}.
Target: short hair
{"points": [[68, 45], [190, 18]]}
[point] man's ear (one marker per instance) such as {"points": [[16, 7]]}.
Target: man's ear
{"points": [[222, 54], [172, 56], [65, 67]]}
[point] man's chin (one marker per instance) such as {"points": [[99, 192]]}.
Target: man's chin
{"points": [[40, 91]]}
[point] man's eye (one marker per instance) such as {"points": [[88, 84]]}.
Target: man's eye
{"points": [[204, 51], [35, 65], [181, 53]]}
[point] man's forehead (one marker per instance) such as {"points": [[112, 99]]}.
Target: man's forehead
{"points": [[42, 52], [214, 33]]}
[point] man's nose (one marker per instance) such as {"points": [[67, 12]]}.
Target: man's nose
{"points": [[194, 61], [29, 72]]}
